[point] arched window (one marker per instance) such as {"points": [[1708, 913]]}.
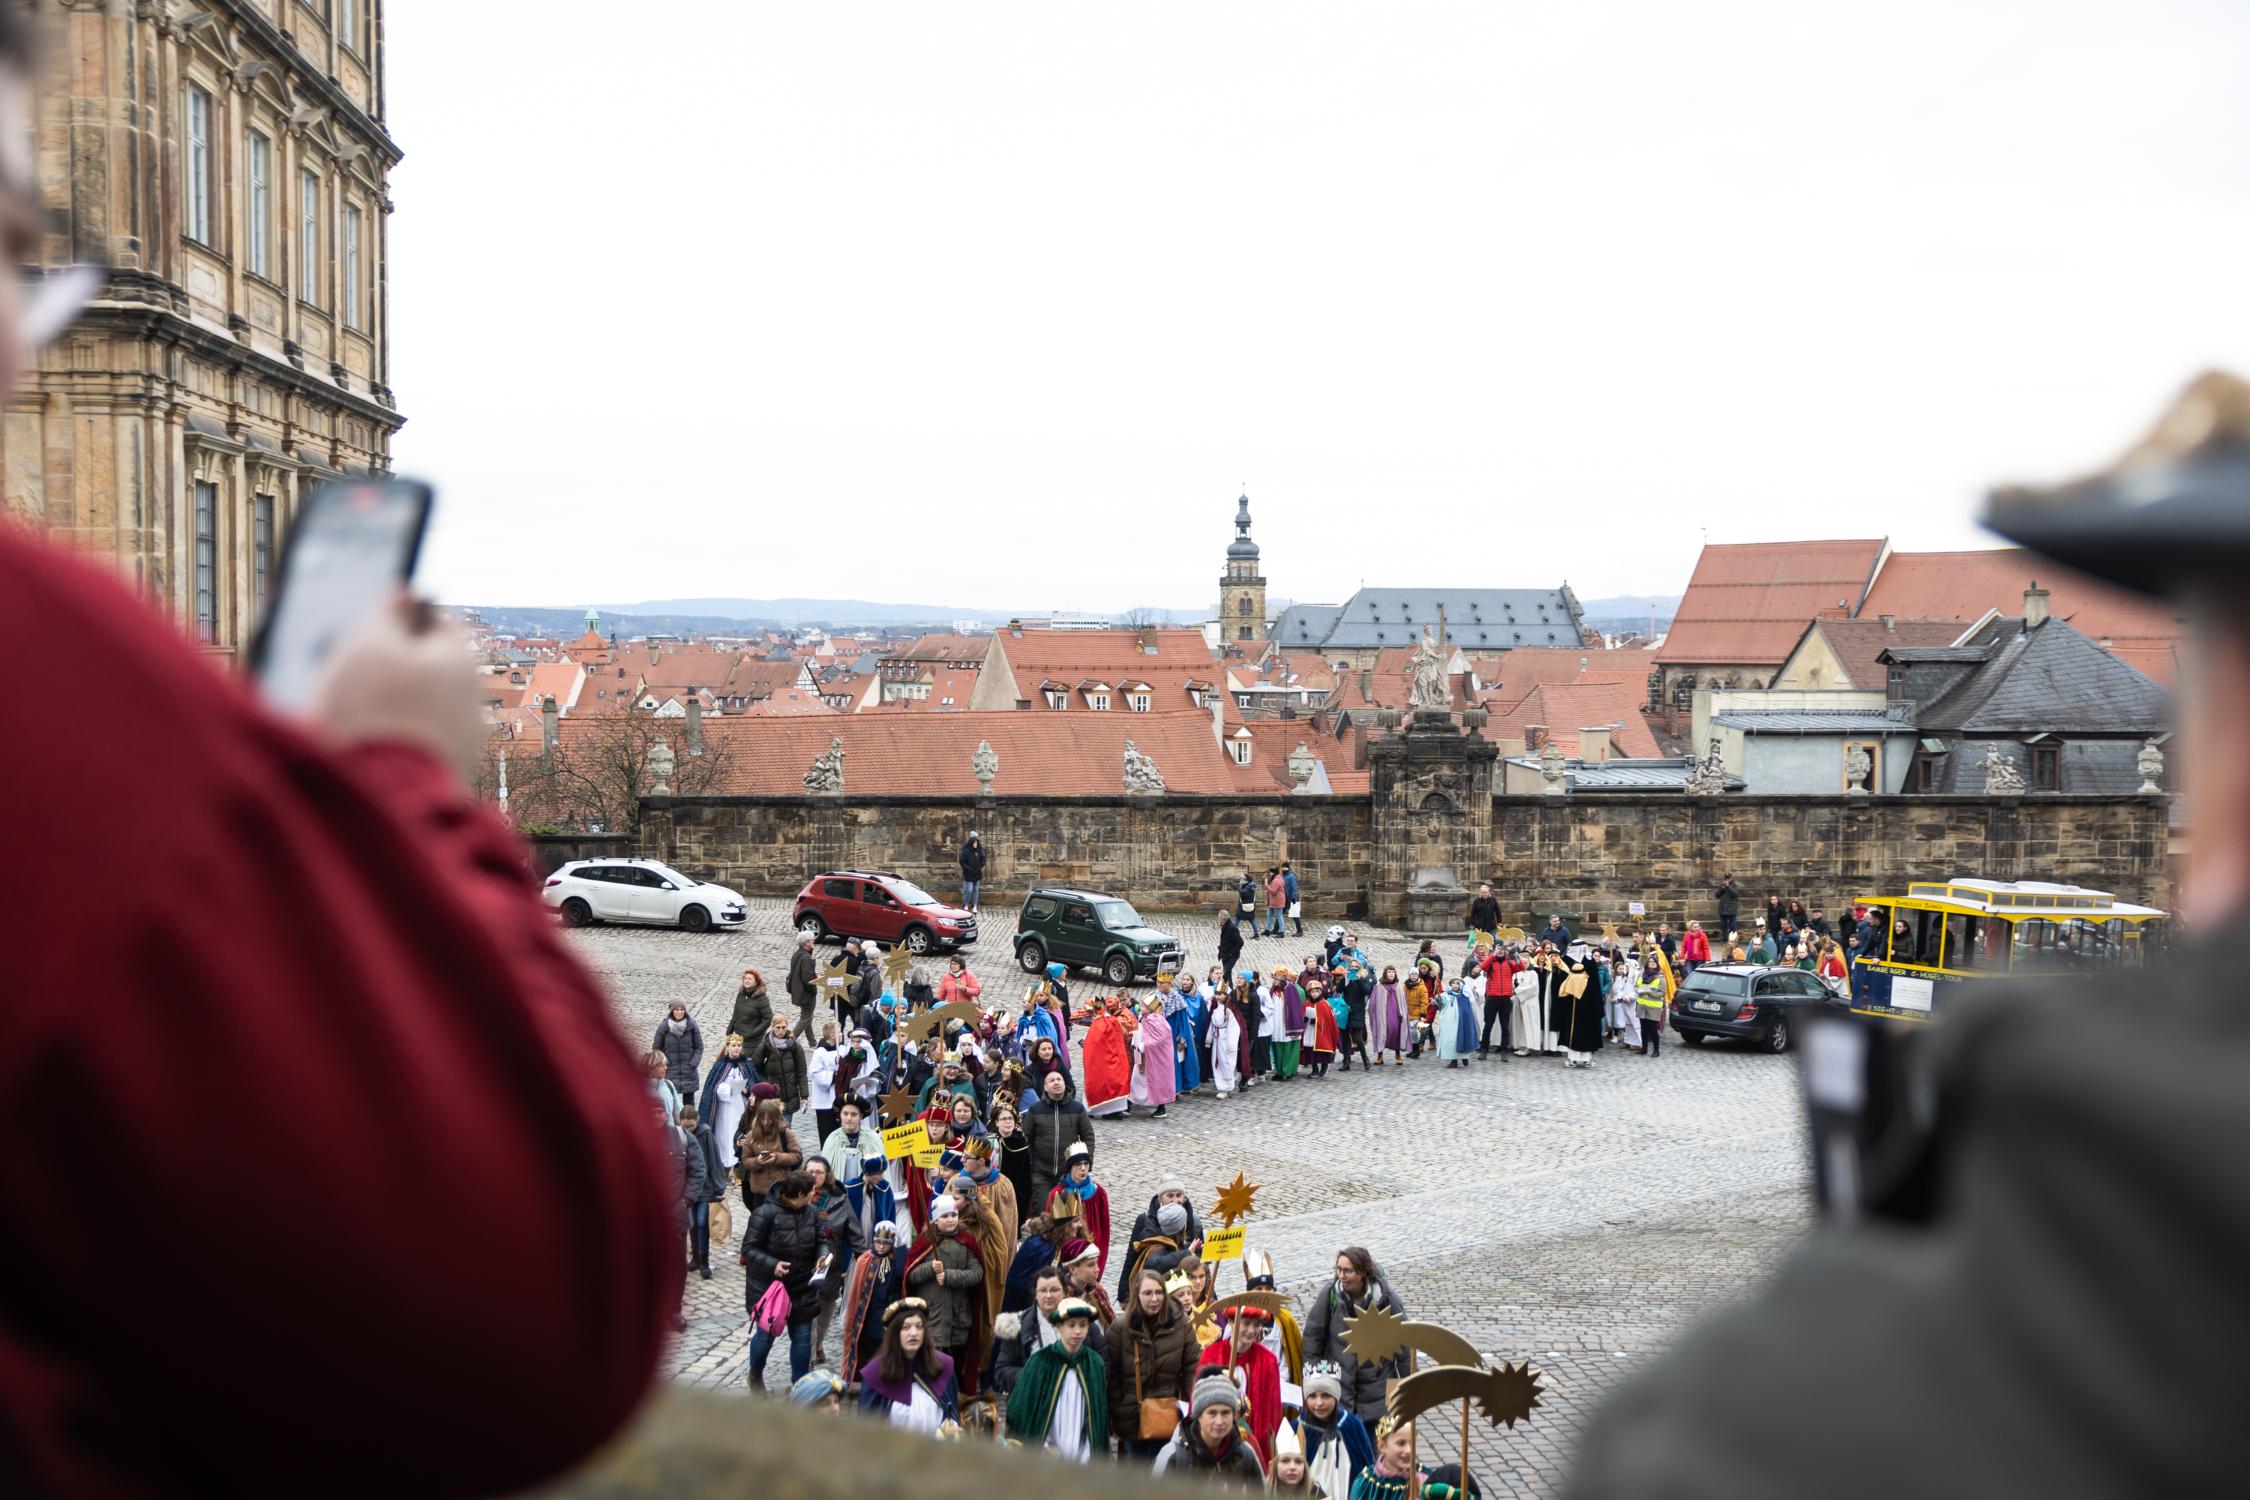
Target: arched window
{"points": [[1243, 608]]}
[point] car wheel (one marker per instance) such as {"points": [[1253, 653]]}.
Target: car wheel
{"points": [[1030, 957], [1700, 1038], [1118, 969], [1777, 1035], [577, 913], [917, 940], [696, 918]]}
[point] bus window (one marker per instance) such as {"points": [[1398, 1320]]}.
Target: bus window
{"points": [[1976, 944], [1915, 938]]}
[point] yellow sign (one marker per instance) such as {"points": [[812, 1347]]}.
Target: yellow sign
{"points": [[1224, 1244], [907, 1142]]}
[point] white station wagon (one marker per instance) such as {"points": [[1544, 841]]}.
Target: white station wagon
{"points": [[639, 890]]}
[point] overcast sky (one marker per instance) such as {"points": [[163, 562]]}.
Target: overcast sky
{"points": [[1000, 305]]}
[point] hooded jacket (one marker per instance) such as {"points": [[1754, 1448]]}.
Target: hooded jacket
{"points": [[779, 1235], [1364, 1383], [683, 1052]]}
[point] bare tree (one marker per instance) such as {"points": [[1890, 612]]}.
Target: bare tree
{"points": [[598, 771], [1138, 619]]}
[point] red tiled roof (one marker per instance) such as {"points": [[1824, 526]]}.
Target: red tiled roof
{"points": [[1072, 654], [752, 678], [1527, 667], [562, 679], [1963, 585], [928, 755], [943, 646], [1857, 643], [1749, 602], [1566, 708], [788, 703]]}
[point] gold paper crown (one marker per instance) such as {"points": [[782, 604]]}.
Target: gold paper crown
{"points": [[734, 1039]]}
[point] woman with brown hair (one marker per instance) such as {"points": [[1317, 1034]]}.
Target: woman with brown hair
{"points": [[1152, 1354], [766, 1152], [910, 1381]]}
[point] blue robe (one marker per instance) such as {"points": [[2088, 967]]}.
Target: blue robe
{"points": [[1032, 1256], [1347, 1429], [707, 1107], [1187, 1025], [1040, 1022]]}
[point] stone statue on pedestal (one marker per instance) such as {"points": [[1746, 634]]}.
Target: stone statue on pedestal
{"points": [[827, 773], [1551, 767], [1430, 694], [1858, 766], [1708, 777], [2001, 778], [984, 764], [661, 762], [1301, 763], [2150, 763], [1141, 776]]}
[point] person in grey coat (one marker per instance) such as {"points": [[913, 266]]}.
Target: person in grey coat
{"points": [[681, 1042], [1356, 1286], [1052, 1125]]}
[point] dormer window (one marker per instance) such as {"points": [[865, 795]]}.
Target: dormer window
{"points": [[1057, 698], [1098, 701], [1138, 702], [1240, 748]]}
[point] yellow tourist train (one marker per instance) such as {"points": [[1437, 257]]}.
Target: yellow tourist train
{"points": [[1945, 933]]}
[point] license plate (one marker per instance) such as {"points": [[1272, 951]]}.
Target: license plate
{"points": [[1706, 1005]]}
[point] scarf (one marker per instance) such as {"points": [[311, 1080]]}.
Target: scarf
{"points": [[1031, 1405], [677, 1026], [1083, 1190]]}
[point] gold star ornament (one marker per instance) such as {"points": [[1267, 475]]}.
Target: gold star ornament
{"points": [[1235, 1201], [897, 964], [897, 1106]]}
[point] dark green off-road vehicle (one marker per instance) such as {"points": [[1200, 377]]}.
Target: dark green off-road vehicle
{"points": [[1083, 930]]}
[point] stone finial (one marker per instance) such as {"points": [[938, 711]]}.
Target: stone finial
{"points": [[1142, 779], [1858, 766], [827, 774], [1551, 767], [2001, 778], [1708, 777], [661, 762], [984, 764], [2150, 763], [1301, 763]]}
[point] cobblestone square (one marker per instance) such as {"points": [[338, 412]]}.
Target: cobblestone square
{"points": [[1579, 1220]]}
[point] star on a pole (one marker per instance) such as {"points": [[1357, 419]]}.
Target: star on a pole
{"points": [[1234, 1200], [897, 1106], [836, 976], [896, 965]]}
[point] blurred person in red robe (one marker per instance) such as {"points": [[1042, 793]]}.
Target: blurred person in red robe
{"points": [[366, 1099], [1256, 1370]]}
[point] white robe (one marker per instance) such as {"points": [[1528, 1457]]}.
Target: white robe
{"points": [[1225, 1042], [1272, 1014], [734, 1102], [1066, 1433], [921, 1414], [1526, 1019]]}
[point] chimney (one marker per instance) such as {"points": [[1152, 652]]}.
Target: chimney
{"points": [[1367, 683], [2034, 606], [1890, 623], [549, 734], [1534, 738], [1015, 628], [1593, 745], [695, 726]]}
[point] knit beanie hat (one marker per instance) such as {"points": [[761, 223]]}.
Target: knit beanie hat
{"points": [[1324, 1377], [1214, 1390], [1170, 1184], [944, 1208], [1171, 1218], [814, 1388]]}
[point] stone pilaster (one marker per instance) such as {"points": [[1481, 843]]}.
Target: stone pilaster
{"points": [[1431, 787]]}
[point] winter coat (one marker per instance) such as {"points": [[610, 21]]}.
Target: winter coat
{"points": [[1162, 1355], [1237, 1467], [714, 1175], [753, 1015], [1052, 1129], [1246, 894], [782, 1064], [841, 1237], [680, 1163], [804, 977], [778, 1235], [945, 1278], [1015, 1338], [757, 1181], [1364, 1383], [683, 1053], [1289, 884], [1145, 1228], [961, 986], [1484, 915], [1695, 948], [972, 860], [1230, 943], [1277, 895], [695, 1183]]}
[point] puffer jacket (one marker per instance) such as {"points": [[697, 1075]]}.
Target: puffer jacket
{"points": [[683, 1053], [944, 1279], [1364, 1382], [1160, 1355], [781, 1062], [778, 1235], [753, 1014], [1052, 1129]]}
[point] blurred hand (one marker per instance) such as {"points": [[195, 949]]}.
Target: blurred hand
{"points": [[401, 675]]}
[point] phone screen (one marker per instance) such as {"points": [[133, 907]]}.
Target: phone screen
{"points": [[353, 543]]}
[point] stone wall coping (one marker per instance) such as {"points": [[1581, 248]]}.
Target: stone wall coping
{"points": [[975, 803], [1347, 799]]}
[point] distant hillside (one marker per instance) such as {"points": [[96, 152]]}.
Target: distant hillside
{"points": [[738, 616], [1629, 611]]}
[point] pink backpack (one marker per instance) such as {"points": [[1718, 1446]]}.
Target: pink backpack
{"points": [[772, 1315]]}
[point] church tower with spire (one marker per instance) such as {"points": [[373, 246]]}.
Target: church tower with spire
{"points": [[1242, 588]]}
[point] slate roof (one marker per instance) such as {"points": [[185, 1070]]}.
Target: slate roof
{"points": [[1811, 721], [1475, 619], [1659, 775], [2049, 680], [1748, 603]]}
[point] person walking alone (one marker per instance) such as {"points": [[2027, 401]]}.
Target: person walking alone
{"points": [[1730, 904], [804, 984], [972, 870], [1296, 905], [1230, 944]]}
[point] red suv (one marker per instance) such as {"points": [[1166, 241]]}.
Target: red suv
{"points": [[857, 903]]}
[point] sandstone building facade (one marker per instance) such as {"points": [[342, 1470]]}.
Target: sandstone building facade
{"points": [[227, 160]]}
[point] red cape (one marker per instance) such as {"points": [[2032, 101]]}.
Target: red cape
{"points": [[1323, 1028], [1106, 1066], [1093, 1220], [971, 1364], [1261, 1374]]}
